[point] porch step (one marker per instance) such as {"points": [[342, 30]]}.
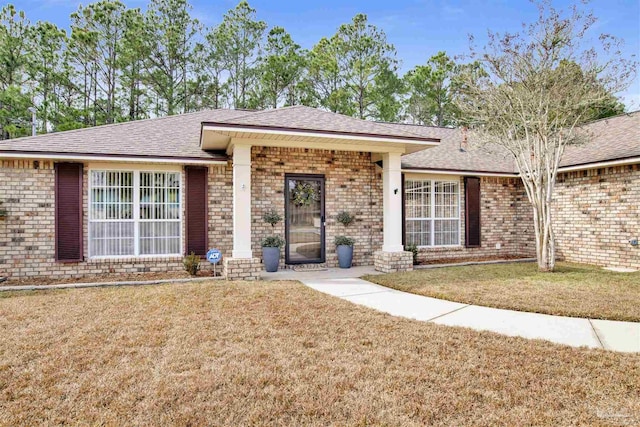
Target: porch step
{"points": [[308, 267]]}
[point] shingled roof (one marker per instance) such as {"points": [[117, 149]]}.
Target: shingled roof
{"points": [[302, 118], [178, 137], [453, 155], [613, 138], [610, 139], [165, 137]]}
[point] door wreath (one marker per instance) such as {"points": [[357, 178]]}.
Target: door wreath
{"points": [[304, 194]]}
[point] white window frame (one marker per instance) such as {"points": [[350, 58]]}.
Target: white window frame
{"points": [[432, 212], [136, 209]]}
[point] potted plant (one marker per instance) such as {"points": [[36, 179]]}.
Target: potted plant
{"points": [[344, 245], [271, 244], [344, 249], [3, 212]]}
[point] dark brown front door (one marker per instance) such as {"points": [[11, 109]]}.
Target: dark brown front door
{"points": [[304, 219]]}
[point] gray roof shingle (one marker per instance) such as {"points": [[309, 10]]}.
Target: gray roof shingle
{"points": [[179, 137], [300, 117], [450, 155], [608, 139], [612, 138], [165, 137]]}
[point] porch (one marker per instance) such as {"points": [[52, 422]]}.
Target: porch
{"points": [[343, 174]]}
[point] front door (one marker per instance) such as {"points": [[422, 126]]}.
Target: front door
{"points": [[304, 219]]}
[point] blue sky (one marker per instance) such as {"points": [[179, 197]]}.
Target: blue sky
{"points": [[417, 28]]}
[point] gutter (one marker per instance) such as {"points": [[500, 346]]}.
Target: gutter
{"points": [[584, 166], [109, 158], [604, 164], [460, 172]]}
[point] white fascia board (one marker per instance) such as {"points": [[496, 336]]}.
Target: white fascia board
{"points": [[586, 166], [319, 135], [98, 158], [460, 173]]}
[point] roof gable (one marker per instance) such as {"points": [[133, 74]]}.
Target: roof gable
{"points": [[300, 117]]}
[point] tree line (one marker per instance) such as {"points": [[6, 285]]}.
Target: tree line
{"points": [[119, 64]]}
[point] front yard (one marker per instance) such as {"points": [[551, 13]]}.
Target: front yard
{"points": [[572, 290], [279, 353]]}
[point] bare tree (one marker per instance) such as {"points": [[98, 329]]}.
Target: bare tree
{"points": [[540, 85]]}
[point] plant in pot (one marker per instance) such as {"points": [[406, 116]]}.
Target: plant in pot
{"points": [[3, 211], [271, 244], [344, 245]]}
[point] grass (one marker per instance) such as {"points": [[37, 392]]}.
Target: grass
{"points": [[572, 290], [278, 353]]}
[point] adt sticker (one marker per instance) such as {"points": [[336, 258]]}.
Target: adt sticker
{"points": [[214, 256]]}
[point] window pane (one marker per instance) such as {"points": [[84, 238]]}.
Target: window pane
{"points": [[424, 198], [418, 232], [446, 199], [111, 213], [159, 237], [446, 232], [418, 199], [160, 202], [111, 238], [159, 194]]}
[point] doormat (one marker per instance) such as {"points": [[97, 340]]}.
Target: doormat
{"points": [[309, 267]]}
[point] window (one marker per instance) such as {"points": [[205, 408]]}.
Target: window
{"points": [[134, 213], [432, 213]]}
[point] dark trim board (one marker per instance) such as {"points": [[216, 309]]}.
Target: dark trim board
{"points": [[323, 243]]}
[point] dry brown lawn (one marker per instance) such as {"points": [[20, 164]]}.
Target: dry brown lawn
{"points": [[574, 290], [106, 277], [279, 353]]}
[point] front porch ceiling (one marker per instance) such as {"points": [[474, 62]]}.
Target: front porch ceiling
{"points": [[216, 138]]}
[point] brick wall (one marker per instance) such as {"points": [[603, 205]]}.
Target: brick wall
{"points": [[27, 235], [596, 213], [352, 183], [505, 219]]}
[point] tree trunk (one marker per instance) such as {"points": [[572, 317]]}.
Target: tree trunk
{"points": [[545, 238]]}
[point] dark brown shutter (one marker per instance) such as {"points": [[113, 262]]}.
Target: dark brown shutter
{"points": [[68, 201], [472, 211], [196, 217], [404, 215]]}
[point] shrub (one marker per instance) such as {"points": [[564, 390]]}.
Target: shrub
{"points": [[272, 242], [345, 218], [191, 263], [414, 250], [344, 241], [272, 217]]}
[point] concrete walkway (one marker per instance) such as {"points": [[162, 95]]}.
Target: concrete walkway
{"points": [[345, 284]]}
